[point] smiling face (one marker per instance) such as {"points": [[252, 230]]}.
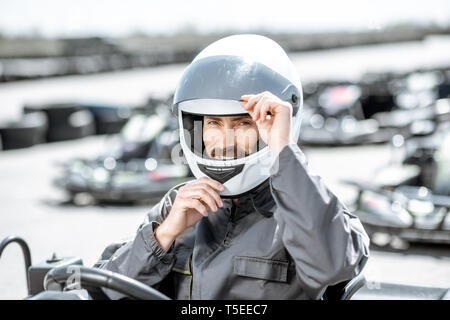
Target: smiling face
{"points": [[229, 137]]}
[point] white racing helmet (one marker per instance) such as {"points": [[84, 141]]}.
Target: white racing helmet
{"points": [[212, 85]]}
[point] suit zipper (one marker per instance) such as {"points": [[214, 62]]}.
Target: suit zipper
{"points": [[191, 284], [232, 215]]}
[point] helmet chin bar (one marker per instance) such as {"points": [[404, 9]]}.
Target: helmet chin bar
{"points": [[238, 176], [246, 193], [221, 174]]}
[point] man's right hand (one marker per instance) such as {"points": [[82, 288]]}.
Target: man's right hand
{"points": [[193, 201]]}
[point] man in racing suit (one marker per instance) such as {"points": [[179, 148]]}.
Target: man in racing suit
{"points": [[290, 238]]}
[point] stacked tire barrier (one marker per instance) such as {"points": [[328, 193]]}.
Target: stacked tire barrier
{"points": [[60, 122], [31, 129]]}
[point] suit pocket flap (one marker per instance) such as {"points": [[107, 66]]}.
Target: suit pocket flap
{"points": [[261, 268]]}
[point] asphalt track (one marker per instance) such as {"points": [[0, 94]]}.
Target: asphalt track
{"points": [[31, 207]]}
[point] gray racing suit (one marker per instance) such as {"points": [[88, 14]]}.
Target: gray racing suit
{"points": [[290, 239]]}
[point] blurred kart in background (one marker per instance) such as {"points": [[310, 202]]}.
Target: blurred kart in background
{"points": [[371, 110], [137, 168], [409, 199], [336, 117]]}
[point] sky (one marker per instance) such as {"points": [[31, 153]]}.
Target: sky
{"points": [[63, 18]]}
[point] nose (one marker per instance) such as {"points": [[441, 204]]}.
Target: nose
{"points": [[226, 145], [229, 138]]}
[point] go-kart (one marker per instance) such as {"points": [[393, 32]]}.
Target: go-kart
{"points": [[408, 214], [53, 279], [373, 109], [420, 88], [140, 168], [409, 200], [342, 116], [65, 278]]}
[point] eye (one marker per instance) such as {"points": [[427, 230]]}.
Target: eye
{"points": [[212, 123], [244, 123]]}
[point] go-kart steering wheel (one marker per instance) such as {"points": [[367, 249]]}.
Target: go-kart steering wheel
{"points": [[99, 278]]}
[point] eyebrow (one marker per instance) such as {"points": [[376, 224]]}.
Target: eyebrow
{"points": [[236, 118]]}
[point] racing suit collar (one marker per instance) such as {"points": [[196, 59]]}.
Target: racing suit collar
{"points": [[259, 200]]}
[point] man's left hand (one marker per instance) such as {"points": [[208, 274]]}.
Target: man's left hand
{"points": [[273, 117]]}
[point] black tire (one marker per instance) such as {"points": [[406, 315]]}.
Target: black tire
{"points": [[109, 119], [26, 132], [65, 121], [79, 124], [444, 90]]}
